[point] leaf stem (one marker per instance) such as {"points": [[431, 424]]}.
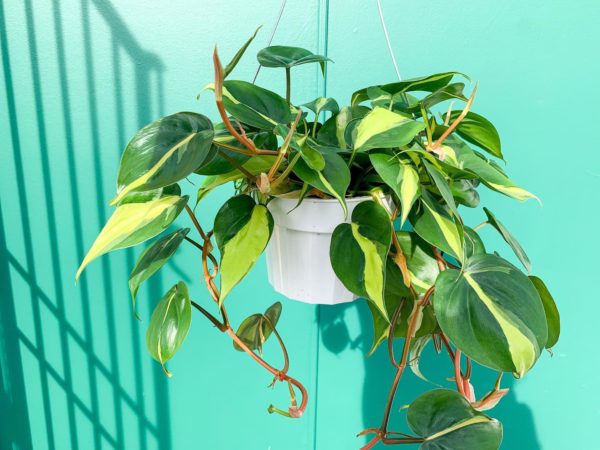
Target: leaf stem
{"points": [[288, 84]]}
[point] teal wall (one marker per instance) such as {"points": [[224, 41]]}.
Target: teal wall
{"points": [[78, 77]]}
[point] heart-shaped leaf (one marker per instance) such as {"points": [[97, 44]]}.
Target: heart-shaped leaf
{"points": [[242, 231], [382, 128], [132, 224], [334, 129], [257, 328], [254, 105], [478, 130], [164, 152], [446, 420], [509, 238], [323, 104], [401, 176], [435, 224], [334, 179], [359, 251], [422, 266], [169, 324], [153, 258], [284, 56], [552, 315], [493, 313]]}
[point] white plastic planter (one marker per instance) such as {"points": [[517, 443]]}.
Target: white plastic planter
{"points": [[298, 261]]}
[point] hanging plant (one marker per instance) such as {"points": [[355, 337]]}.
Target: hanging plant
{"points": [[376, 185]]}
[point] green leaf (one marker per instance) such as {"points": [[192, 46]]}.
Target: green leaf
{"points": [[359, 250], [169, 324], [164, 152], [395, 292], [509, 238], [153, 258], [493, 313], [239, 54], [434, 224], [552, 315], [311, 155], [323, 104], [488, 172], [242, 230], [334, 179], [382, 128], [132, 224], [440, 182], [478, 130], [255, 165], [400, 176], [429, 83], [283, 56], [446, 421], [422, 266], [452, 91], [257, 328], [148, 196], [255, 106], [473, 243], [334, 129], [465, 193]]}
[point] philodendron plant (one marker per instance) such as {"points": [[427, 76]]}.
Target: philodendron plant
{"points": [[425, 273]]}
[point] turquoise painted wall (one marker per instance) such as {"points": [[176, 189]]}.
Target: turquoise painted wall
{"points": [[78, 77]]}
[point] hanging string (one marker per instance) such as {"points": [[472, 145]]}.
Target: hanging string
{"points": [[272, 35], [387, 39]]}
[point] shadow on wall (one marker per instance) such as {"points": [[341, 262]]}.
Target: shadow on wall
{"points": [[517, 418], [34, 389]]}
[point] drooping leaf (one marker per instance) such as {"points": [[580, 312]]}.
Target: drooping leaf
{"points": [[473, 243], [132, 224], [493, 313], [334, 179], [255, 166], [396, 292], [422, 266], [242, 230], [400, 176], [254, 105], [478, 130], [440, 182], [435, 225], [236, 58], [552, 315], [429, 83], [284, 56], [414, 358], [509, 238], [257, 328], [446, 421], [359, 250], [382, 128], [465, 193], [153, 258], [169, 324], [148, 196], [164, 152]]}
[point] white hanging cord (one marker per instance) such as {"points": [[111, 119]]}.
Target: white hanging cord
{"points": [[387, 39], [272, 35]]}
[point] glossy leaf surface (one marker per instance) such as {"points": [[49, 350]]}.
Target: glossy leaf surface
{"points": [[169, 324], [284, 56], [164, 152], [242, 230], [257, 328], [493, 313], [478, 130], [154, 257], [132, 224], [359, 250], [382, 128], [552, 315], [446, 421]]}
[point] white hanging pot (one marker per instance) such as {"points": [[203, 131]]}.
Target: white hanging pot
{"points": [[298, 261]]}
